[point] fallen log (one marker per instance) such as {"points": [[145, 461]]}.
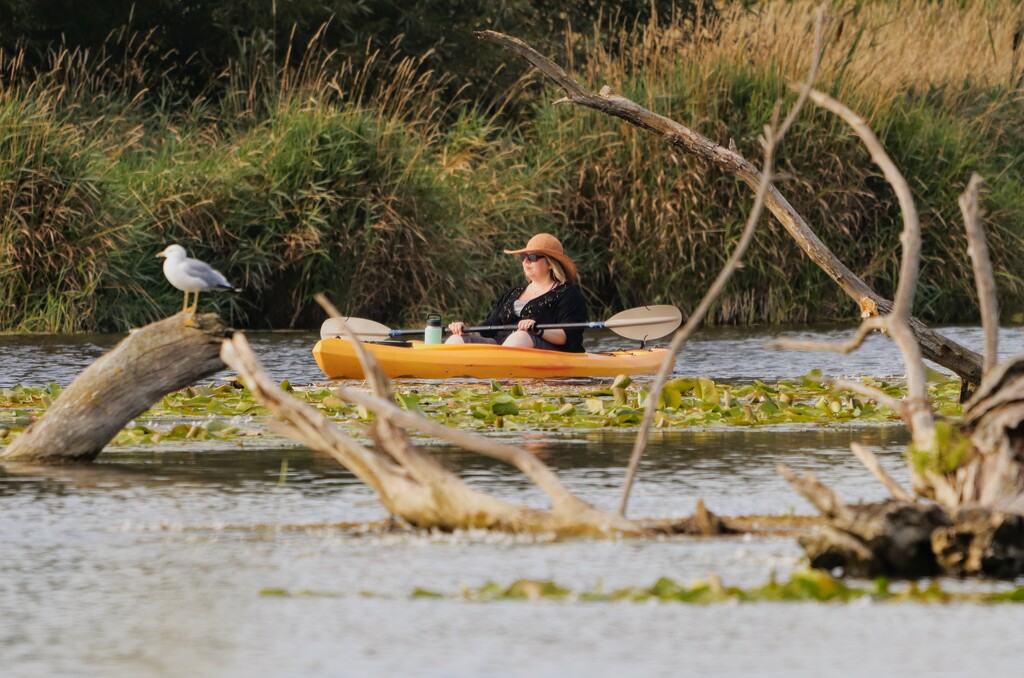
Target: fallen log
{"points": [[149, 363], [981, 542], [909, 540]]}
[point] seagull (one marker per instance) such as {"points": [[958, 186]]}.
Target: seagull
{"points": [[192, 275]]}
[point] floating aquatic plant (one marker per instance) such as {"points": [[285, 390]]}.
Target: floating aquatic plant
{"points": [[228, 411], [805, 585]]}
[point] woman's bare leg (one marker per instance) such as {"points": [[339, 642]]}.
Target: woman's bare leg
{"points": [[519, 339]]}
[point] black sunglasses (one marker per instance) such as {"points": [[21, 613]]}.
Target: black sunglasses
{"points": [[531, 257]]}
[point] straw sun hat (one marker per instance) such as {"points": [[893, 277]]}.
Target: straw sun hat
{"points": [[549, 246]]}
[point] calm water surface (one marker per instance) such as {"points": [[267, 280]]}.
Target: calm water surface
{"points": [[152, 561], [720, 353]]}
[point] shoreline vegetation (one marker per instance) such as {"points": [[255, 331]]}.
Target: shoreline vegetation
{"points": [[370, 182]]}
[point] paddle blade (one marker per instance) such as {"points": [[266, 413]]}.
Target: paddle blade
{"points": [[366, 330], [645, 322]]}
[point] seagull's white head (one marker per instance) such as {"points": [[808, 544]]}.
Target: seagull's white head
{"points": [[173, 252]]}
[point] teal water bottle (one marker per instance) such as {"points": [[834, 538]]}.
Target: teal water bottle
{"points": [[432, 335]]}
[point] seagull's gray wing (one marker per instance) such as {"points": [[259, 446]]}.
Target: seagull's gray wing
{"points": [[210, 276]]}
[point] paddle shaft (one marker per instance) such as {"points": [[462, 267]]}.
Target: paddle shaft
{"points": [[597, 325], [641, 324]]}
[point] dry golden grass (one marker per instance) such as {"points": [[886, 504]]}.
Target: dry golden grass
{"points": [[882, 48]]}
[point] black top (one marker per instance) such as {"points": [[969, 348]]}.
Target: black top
{"points": [[562, 304]]}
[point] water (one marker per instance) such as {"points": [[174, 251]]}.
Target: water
{"points": [[152, 561], [735, 354]]}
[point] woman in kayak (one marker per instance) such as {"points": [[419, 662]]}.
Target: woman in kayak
{"points": [[551, 296]]}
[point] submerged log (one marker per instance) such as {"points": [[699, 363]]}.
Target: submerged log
{"points": [[981, 542], [151, 362], [910, 539], [891, 538], [703, 523], [913, 540], [865, 540]]}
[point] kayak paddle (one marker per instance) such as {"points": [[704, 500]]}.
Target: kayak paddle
{"points": [[641, 323]]}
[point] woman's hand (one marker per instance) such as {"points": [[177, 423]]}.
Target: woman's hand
{"points": [[456, 328], [526, 323]]}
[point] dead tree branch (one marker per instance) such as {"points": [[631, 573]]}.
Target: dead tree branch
{"points": [[529, 464], [964, 362], [773, 135], [564, 503], [693, 322], [897, 322], [991, 473], [977, 248], [821, 496], [412, 484], [871, 324], [870, 461]]}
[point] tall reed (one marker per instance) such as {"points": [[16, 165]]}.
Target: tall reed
{"points": [[940, 82], [57, 227], [363, 183]]}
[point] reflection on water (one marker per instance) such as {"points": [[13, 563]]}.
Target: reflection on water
{"points": [[719, 353]]}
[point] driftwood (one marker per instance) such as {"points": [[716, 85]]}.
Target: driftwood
{"points": [[909, 539], [411, 483], [975, 526], [966, 363], [892, 538], [414, 486], [773, 136], [981, 542], [973, 470], [151, 362], [977, 248]]}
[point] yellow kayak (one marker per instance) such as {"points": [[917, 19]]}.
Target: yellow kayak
{"points": [[337, 358]]}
